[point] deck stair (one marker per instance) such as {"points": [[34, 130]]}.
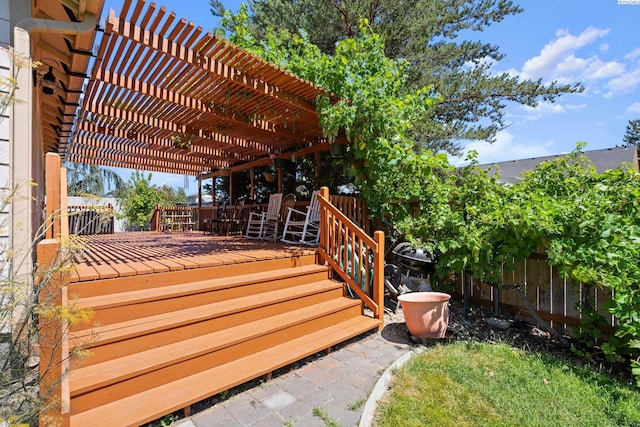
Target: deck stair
{"points": [[163, 341]]}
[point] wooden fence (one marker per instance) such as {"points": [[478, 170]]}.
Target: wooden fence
{"points": [[88, 220], [554, 298]]}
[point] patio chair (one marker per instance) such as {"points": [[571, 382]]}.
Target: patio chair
{"points": [[272, 226], [221, 217], [234, 219], [257, 220], [303, 227]]}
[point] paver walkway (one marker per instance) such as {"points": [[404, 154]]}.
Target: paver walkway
{"points": [[338, 383]]}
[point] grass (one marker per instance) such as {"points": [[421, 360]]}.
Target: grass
{"points": [[496, 385], [358, 404], [326, 419]]}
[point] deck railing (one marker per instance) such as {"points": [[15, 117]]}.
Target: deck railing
{"points": [[90, 220], [355, 209], [356, 257], [174, 218]]}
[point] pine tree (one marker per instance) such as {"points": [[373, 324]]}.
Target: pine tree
{"points": [[430, 34], [632, 133]]}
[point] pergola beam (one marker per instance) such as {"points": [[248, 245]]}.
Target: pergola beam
{"points": [[159, 81], [130, 31]]}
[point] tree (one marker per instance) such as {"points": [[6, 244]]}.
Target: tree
{"points": [[632, 133], [433, 37], [84, 179], [170, 196], [140, 201]]}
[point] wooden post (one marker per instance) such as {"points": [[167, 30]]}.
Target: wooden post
{"points": [[53, 336], [52, 190], [378, 276], [280, 184], [252, 179], [64, 206], [316, 169], [200, 191], [231, 188], [324, 221]]}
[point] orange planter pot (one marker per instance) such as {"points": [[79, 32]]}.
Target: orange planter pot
{"points": [[426, 313]]}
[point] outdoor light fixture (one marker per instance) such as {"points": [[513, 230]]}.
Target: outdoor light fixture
{"points": [[48, 82]]}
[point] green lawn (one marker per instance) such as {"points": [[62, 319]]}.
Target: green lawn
{"points": [[496, 385]]}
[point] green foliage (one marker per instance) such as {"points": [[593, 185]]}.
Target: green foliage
{"points": [[476, 384], [28, 306], [139, 202], [632, 133], [170, 196], [439, 39], [373, 110], [588, 222], [141, 198]]}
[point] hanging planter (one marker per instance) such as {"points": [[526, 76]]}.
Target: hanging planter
{"points": [[337, 150], [269, 176]]}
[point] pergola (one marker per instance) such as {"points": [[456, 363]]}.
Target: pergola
{"points": [[166, 96]]}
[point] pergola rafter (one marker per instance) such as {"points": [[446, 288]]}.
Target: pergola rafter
{"points": [[159, 81]]}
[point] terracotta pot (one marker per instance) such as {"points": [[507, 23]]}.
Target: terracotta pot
{"points": [[426, 313], [269, 176]]}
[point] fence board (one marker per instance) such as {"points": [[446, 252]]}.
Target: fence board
{"points": [[558, 298]]}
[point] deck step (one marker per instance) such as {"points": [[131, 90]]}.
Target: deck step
{"points": [[149, 332], [193, 388], [122, 306], [113, 371], [152, 280]]}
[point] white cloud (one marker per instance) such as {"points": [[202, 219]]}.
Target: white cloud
{"points": [[635, 53], [634, 108], [604, 47], [555, 52], [545, 109], [624, 83], [505, 149]]}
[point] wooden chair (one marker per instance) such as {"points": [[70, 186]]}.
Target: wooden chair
{"points": [[235, 219], [221, 217], [303, 227], [273, 226], [257, 220]]}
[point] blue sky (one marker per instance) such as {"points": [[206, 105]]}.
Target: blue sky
{"points": [[595, 42]]}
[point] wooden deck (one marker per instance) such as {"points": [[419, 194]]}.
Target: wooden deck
{"points": [[131, 254], [178, 317]]}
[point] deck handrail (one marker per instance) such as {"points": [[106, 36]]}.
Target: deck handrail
{"points": [[161, 213], [356, 257]]}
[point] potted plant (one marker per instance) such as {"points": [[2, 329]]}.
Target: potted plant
{"points": [[426, 313], [270, 174]]}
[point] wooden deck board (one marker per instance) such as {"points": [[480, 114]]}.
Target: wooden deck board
{"points": [[131, 254]]}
